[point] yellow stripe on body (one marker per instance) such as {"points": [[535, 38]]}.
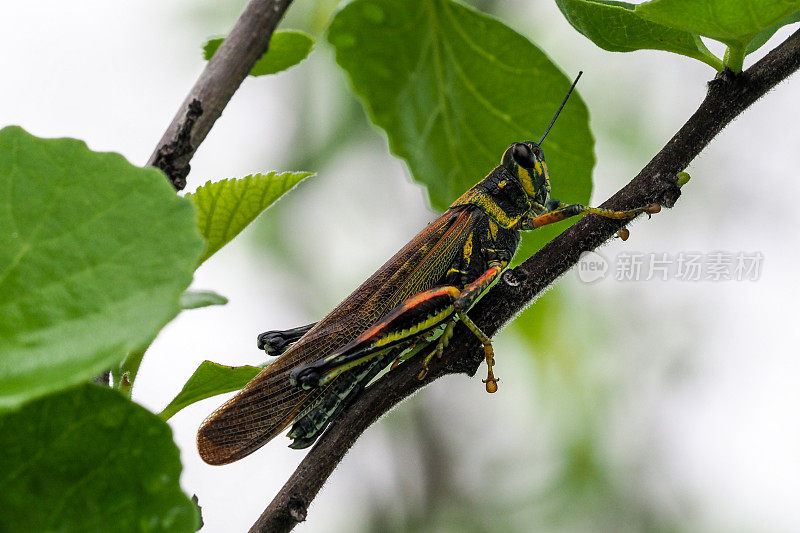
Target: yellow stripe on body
{"points": [[493, 229], [328, 376], [527, 181], [428, 323], [488, 205], [416, 328]]}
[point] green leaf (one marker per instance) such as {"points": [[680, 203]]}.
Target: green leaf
{"points": [[94, 255], [760, 39], [209, 380], [89, 460], [286, 49], [198, 299], [226, 207], [733, 22], [453, 88], [615, 26]]}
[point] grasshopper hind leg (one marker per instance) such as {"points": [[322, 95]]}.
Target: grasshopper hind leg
{"points": [[342, 391], [278, 341]]}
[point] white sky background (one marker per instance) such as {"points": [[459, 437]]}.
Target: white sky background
{"points": [[724, 438]]}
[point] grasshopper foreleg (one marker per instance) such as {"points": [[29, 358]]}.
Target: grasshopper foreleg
{"points": [[277, 341], [560, 211]]}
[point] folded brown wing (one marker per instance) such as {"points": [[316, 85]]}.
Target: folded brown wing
{"points": [[269, 403]]}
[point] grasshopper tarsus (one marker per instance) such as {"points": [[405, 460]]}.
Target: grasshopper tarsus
{"points": [[652, 209], [491, 383]]}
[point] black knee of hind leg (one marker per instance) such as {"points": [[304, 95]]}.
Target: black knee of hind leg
{"points": [[306, 378], [272, 342]]}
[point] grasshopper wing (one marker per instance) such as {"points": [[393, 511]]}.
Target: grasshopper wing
{"points": [[269, 403]]}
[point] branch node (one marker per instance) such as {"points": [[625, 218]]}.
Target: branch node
{"points": [[728, 82], [170, 157], [298, 509], [512, 278], [671, 190]]}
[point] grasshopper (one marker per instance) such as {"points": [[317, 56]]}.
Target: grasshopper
{"points": [[408, 307]]}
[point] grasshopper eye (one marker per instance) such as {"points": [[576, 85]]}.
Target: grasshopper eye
{"points": [[522, 155]]}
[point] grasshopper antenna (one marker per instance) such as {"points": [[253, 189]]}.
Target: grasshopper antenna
{"points": [[574, 83]]}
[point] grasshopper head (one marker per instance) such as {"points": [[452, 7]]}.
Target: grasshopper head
{"points": [[525, 161]]}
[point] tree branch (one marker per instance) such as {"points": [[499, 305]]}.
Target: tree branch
{"points": [[728, 96], [225, 71]]}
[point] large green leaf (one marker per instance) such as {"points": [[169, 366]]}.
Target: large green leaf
{"points": [[209, 380], [452, 88], [94, 255], [88, 460], [734, 22], [226, 207], [286, 49], [615, 26]]}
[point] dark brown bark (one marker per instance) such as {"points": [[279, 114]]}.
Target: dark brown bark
{"points": [[225, 71]]}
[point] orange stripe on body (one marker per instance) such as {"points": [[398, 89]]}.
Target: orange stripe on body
{"points": [[482, 282], [407, 305], [489, 274]]}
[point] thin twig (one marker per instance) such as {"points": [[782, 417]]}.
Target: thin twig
{"points": [[728, 95], [225, 71]]}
